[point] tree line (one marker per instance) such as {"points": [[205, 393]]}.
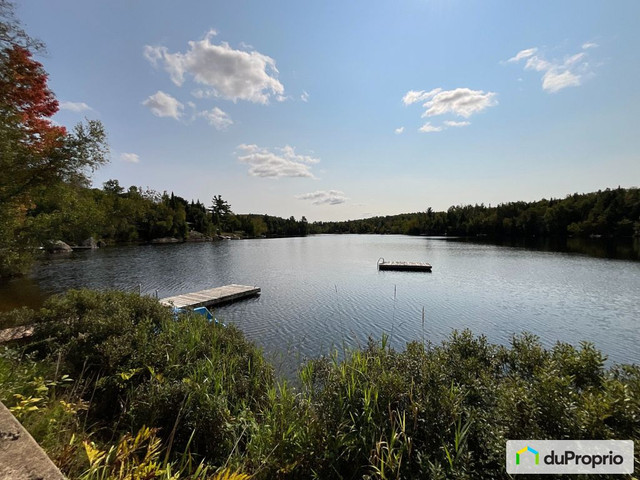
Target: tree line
{"points": [[119, 215], [610, 213]]}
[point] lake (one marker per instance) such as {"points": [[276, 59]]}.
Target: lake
{"points": [[323, 291]]}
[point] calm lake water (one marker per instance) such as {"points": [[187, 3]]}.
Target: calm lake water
{"points": [[324, 291]]}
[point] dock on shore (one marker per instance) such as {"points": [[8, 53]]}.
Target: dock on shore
{"points": [[213, 296], [404, 266]]}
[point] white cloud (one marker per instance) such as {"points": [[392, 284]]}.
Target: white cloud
{"points": [[414, 96], [451, 123], [558, 74], [305, 96], [130, 157], [216, 118], [276, 163], [229, 73], [538, 64], [462, 102], [322, 197], [164, 105], [428, 128], [529, 52], [75, 106], [399, 130], [555, 80]]}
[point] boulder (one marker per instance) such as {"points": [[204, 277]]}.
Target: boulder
{"points": [[195, 236], [58, 246], [90, 243]]}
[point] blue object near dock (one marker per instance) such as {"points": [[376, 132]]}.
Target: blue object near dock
{"points": [[204, 311]]}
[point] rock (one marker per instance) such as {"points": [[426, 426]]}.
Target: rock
{"points": [[195, 236], [21, 458], [101, 244], [90, 243], [58, 247], [165, 240]]}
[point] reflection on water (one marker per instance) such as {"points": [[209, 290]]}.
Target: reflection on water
{"points": [[324, 291], [618, 248]]}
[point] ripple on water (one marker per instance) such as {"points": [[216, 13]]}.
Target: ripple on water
{"points": [[324, 291]]}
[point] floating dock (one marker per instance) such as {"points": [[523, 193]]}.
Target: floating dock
{"points": [[213, 296], [404, 266]]}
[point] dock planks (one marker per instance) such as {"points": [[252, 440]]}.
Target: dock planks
{"points": [[405, 266], [213, 296]]}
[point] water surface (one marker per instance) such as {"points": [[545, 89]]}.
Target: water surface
{"points": [[323, 291]]}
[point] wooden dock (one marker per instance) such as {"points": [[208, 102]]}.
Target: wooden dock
{"points": [[404, 266], [213, 296]]}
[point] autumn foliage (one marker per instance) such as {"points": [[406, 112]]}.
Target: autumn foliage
{"points": [[36, 154], [26, 98]]}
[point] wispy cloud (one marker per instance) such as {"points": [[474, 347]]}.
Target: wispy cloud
{"points": [[451, 123], [164, 105], [557, 74], [415, 96], [276, 163], [130, 157], [228, 73], [527, 53], [428, 128], [305, 96], [216, 118], [399, 130], [75, 106], [323, 197]]}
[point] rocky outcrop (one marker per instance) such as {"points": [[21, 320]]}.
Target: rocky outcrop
{"points": [[195, 236], [57, 246]]}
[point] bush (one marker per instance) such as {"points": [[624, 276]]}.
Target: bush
{"points": [[139, 365]]}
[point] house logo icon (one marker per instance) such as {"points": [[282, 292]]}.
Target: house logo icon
{"points": [[527, 449]]}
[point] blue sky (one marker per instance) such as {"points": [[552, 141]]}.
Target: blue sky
{"points": [[338, 110]]}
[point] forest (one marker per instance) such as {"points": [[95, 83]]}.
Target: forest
{"points": [[134, 215], [607, 213]]}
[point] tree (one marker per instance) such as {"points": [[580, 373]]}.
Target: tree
{"points": [[12, 33], [112, 186], [220, 211], [34, 152]]}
